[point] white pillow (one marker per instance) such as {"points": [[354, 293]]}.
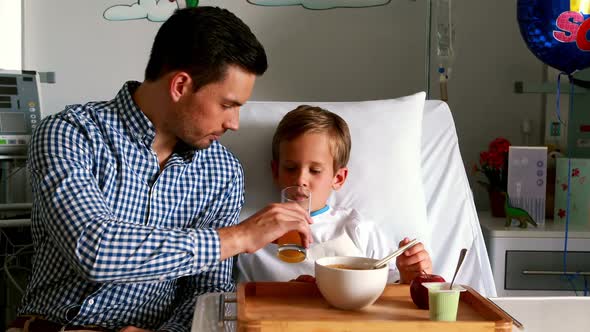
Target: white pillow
{"points": [[384, 182]]}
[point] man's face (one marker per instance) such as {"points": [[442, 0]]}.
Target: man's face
{"points": [[201, 117], [307, 161]]}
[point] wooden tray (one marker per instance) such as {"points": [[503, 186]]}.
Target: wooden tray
{"points": [[298, 306]]}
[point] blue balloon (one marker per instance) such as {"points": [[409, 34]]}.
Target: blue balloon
{"points": [[556, 32]]}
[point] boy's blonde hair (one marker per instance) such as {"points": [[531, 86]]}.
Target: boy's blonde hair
{"points": [[311, 119]]}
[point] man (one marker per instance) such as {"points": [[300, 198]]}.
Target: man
{"points": [[136, 204]]}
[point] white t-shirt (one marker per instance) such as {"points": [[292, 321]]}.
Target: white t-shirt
{"points": [[336, 232]]}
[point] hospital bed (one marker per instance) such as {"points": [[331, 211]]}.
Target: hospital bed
{"points": [[399, 130]]}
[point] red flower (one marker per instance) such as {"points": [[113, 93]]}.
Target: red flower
{"points": [[500, 145], [575, 172], [561, 213], [493, 164], [496, 159], [564, 186]]}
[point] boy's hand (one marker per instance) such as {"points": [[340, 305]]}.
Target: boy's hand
{"points": [[412, 262], [305, 278]]}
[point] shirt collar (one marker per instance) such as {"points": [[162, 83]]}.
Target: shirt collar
{"points": [[140, 126], [320, 211]]}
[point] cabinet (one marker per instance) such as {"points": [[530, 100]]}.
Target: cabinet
{"points": [[530, 262]]}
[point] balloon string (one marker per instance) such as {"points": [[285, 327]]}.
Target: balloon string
{"points": [[568, 276]]}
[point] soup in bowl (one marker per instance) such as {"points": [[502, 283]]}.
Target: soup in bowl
{"points": [[350, 283]]}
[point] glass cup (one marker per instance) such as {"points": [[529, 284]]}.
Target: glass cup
{"points": [[443, 302], [291, 249]]}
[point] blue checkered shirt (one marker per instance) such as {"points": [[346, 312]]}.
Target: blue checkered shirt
{"points": [[117, 240]]}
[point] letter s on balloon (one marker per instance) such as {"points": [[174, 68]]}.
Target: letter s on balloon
{"points": [[569, 24]]}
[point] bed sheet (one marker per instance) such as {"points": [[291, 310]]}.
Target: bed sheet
{"points": [[450, 207]]}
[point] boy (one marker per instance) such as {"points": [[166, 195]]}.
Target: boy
{"points": [[311, 148]]}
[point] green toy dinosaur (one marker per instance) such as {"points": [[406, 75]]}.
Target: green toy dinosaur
{"points": [[516, 213]]}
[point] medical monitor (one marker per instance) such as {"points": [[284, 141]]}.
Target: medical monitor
{"points": [[19, 110]]}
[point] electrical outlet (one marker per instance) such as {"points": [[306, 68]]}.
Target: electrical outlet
{"points": [[555, 129]]}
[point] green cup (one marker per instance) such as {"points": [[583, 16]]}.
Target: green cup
{"points": [[443, 302]]}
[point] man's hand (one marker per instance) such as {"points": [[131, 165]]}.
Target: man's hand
{"points": [[264, 227], [133, 329], [412, 262]]}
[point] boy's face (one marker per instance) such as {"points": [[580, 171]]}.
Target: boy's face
{"points": [[307, 161]]}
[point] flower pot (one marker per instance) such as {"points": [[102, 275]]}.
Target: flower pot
{"points": [[497, 203]]}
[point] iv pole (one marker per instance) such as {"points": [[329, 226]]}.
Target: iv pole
{"points": [[428, 46]]}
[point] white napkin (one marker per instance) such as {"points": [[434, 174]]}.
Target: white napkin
{"points": [[340, 246]]}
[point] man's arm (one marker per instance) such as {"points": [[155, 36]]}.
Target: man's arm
{"points": [[73, 210], [219, 278], [190, 288], [264, 227], [250, 235]]}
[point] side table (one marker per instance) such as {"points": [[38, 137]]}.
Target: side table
{"points": [[530, 262]]}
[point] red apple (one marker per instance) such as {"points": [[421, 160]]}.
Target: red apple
{"points": [[418, 292]]}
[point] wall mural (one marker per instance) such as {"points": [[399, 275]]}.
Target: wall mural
{"points": [[160, 10], [321, 4], [152, 10]]}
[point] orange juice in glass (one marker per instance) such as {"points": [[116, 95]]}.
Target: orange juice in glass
{"points": [[291, 249]]}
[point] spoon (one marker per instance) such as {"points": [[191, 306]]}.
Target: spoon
{"points": [[461, 257], [394, 254]]}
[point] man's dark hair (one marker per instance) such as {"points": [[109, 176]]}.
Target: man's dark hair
{"points": [[204, 41]]}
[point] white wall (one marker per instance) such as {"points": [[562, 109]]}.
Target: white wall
{"points": [[341, 54], [330, 55], [491, 55], [10, 34]]}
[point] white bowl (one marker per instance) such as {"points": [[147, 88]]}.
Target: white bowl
{"points": [[350, 289]]}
